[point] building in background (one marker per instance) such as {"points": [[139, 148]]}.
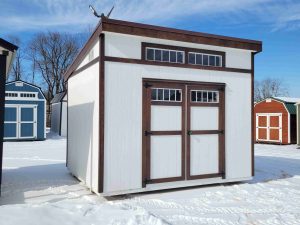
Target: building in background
{"points": [[275, 120], [25, 114], [59, 114], [7, 53]]}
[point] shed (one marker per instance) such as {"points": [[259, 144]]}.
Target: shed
{"points": [[25, 115], [7, 53], [59, 114], [153, 108], [275, 120], [298, 121]]}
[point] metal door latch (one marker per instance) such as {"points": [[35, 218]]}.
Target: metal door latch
{"points": [[189, 132]]}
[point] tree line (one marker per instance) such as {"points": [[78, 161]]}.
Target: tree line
{"points": [[44, 59]]}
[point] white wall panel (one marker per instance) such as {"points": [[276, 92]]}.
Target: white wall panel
{"points": [[165, 118], [129, 46], [165, 156], [83, 122], [204, 154], [204, 118], [94, 52], [123, 120]]}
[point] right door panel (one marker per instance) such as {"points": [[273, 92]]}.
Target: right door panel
{"points": [[205, 132]]}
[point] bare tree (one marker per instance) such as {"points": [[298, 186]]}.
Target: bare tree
{"points": [[269, 88], [16, 72], [51, 54]]}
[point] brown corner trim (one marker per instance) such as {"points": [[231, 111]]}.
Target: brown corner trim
{"points": [[189, 66], [252, 115], [3, 60], [101, 113], [86, 66]]}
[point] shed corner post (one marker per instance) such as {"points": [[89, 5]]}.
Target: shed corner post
{"points": [[3, 59], [101, 111]]}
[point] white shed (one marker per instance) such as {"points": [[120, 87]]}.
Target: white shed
{"points": [[59, 114], [153, 108]]}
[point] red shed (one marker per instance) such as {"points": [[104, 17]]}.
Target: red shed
{"points": [[275, 120]]}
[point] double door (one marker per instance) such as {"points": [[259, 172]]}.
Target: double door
{"points": [[183, 131], [20, 122], [269, 127]]}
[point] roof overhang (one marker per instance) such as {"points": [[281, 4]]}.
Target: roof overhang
{"points": [[145, 30], [8, 49]]}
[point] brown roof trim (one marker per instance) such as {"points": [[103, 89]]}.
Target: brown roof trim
{"points": [[86, 48], [9, 46], [140, 29]]}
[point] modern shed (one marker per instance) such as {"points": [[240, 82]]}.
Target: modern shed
{"points": [[24, 116], [59, 114], [275, 120], [153, 108]]}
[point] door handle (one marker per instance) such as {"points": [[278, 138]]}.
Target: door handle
{"points": [[189, 132]]}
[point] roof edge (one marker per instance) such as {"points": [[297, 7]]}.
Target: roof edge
{"points": [[140, 29], [11, 47]]}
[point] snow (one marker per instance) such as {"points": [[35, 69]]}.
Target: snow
{"points": [[37, 189]]}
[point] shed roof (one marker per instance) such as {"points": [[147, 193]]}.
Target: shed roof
{"points": [[58, 97], [145, 30], [289, 103]]}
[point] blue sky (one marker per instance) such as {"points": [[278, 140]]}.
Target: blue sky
{"points": [[275, 22]]}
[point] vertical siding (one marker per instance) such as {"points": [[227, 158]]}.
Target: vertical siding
{"points": [[123, 120], [83, 126], [55, 117]]}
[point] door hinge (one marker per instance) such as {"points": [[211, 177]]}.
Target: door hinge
{"points": [[146, 133], [147, 85]]}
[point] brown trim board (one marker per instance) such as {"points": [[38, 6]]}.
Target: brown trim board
{"points": [[101, 113], [86, 66], [252, 115], [190, 66], [3, 59], [138, 29], [146, 30]]}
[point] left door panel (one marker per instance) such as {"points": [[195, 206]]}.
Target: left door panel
{"points": [[10, 122]]}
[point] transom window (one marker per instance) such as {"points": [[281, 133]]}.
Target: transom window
{"points": [[204, 96], [205, 59], [9, 94], [166, 95], [164, 55]]}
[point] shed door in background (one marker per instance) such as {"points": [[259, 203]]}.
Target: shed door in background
{"points": [[205, 132], [27, 122], [269, 127], [10, 122], [164, 134]]}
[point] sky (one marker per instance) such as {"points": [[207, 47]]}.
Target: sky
{"points": [[274, 22]]}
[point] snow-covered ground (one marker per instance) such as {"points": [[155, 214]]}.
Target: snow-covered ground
{"points": [[37, 189]]}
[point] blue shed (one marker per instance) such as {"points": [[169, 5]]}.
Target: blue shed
{"points": [[25, 112]]}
